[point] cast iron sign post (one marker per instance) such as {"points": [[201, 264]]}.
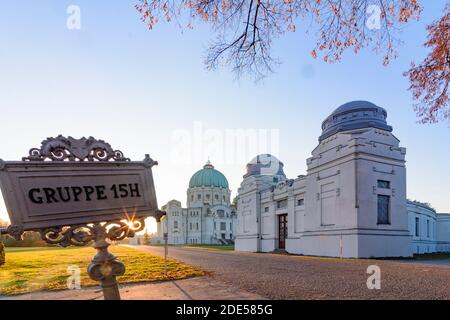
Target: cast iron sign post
{"points": [[166, 250], [74, 191]]}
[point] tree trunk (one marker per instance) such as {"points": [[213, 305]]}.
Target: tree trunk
{"points": [[2, 253]]}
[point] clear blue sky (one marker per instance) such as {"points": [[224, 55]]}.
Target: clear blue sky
{"points": [[135, 88]]}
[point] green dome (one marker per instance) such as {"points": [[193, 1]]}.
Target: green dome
{"points": [[208, 177]]}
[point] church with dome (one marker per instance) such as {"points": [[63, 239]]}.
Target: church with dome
{"points": [[208, 219], [351, 203]]}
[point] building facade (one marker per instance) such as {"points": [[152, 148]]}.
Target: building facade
{"points": [[430, 231], [351, 203], [208, 218]]}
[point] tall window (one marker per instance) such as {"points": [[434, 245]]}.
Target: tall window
{"points": [[428, 228], [383, 209], [175, 224], [197, 225], [384, 184], [266, 209], [300, 202], [417, 227], [223, 226]]}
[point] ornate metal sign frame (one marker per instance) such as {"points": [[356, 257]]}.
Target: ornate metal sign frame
{"points": [[68, 158]]}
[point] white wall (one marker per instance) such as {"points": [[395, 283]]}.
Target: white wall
{"points": [[425, 239], [443, 232]]}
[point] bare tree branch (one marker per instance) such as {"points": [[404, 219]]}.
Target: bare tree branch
{"points": [[245, 30]]}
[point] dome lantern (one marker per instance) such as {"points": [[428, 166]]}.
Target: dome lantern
{"points": [[354, 115], [208, 165]]}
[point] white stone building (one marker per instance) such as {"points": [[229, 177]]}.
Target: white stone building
{"points": [[208, 219], [430, 231], [351, 203]]}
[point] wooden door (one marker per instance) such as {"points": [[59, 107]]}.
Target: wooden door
{"points": [[282, 231]]}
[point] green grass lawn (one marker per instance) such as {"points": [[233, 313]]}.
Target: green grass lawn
{"points": [[36, 269], [210, 247]]}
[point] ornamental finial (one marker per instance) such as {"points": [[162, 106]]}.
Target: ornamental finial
{"points": [[208, 165]]}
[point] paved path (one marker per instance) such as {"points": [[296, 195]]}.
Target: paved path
{"points": [[202, 288], [431, 262], [296, 277]]}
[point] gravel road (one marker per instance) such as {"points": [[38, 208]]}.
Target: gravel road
{"points": [[278, 276]]}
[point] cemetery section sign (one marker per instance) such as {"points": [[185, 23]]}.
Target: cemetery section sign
{"points": [[74, 182]]}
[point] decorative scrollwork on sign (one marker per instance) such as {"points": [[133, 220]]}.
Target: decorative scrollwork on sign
{"points": [[159, 214], [81, 235], [149, 162], [70, 149], [66, 236]]}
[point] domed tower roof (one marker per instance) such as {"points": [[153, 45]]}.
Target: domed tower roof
{"points": [[265, 164], [354, 115], [208, 177]]}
